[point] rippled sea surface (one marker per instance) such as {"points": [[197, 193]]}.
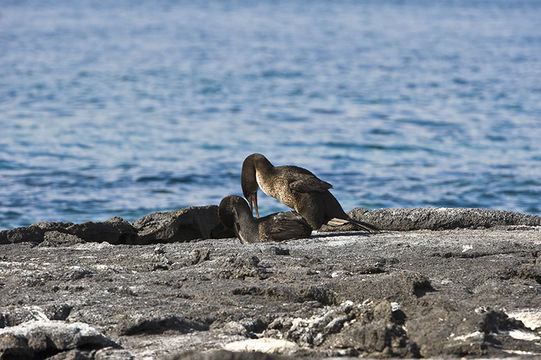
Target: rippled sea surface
{"points": [[125, 108]]}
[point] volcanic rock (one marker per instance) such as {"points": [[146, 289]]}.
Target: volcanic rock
{"points": [[440, 218], [40, 339], [467, 292], [196, 222]]}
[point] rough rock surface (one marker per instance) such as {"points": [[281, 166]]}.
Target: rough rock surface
{"points": [[450, 293], [441, 218], [114, 231], [228, 355], [45, 338], [196, 222]]}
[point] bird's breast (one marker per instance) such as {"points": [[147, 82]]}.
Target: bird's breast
{"points": [[276, 187], [264, 183]]}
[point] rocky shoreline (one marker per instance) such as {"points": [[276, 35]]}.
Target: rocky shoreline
{"points": [[177, 285], [202, 222]]}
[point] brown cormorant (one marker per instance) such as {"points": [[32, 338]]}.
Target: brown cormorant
{"points": [[235, 214], [296, 188]]}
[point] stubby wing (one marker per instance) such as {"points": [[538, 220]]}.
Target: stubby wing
{"points": [[308, 183], [285, 226], [302, 180]]}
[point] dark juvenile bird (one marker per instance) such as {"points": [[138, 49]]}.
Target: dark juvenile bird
{"points": [[297, 188], [235, 214]]}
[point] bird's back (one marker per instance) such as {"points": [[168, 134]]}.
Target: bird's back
{"points": [[283, 226], [317, 208]]}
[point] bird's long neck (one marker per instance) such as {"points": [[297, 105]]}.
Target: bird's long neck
{"points": [[263, 166], [250, 167], [264, 173], [247, 229]]}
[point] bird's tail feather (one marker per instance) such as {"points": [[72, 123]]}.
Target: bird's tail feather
{"points": [[361, 224]]}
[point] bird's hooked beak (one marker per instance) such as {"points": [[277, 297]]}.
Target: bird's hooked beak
{"points": [[252, 199]]}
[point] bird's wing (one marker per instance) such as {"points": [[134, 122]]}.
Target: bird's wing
{"points": [[309, 184], [305, 181], [285, 226]]}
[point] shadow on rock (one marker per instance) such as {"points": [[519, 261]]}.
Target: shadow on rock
{"points": [[160, 325]]}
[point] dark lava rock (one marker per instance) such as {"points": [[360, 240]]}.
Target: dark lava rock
{"points": [[241, 267], [197, 256], [30, 234], [159, 325], [451, 293], [377, 332], [202, 222], [373, 329], [12, 316], [33, 233], [57, 238], [440, 218], [113, 231], [40, 339], [196, 222], [276, 250], [456, 334], [497, 321], [297, 294], [101, 354]]}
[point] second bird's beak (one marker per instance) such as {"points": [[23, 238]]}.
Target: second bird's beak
{"points": [[252, 198]]}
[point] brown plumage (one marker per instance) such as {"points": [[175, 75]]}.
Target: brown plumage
{"points": [[296, 188], [235, 214]]}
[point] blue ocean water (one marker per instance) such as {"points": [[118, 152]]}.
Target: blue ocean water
{"points": [[128, 107]]}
